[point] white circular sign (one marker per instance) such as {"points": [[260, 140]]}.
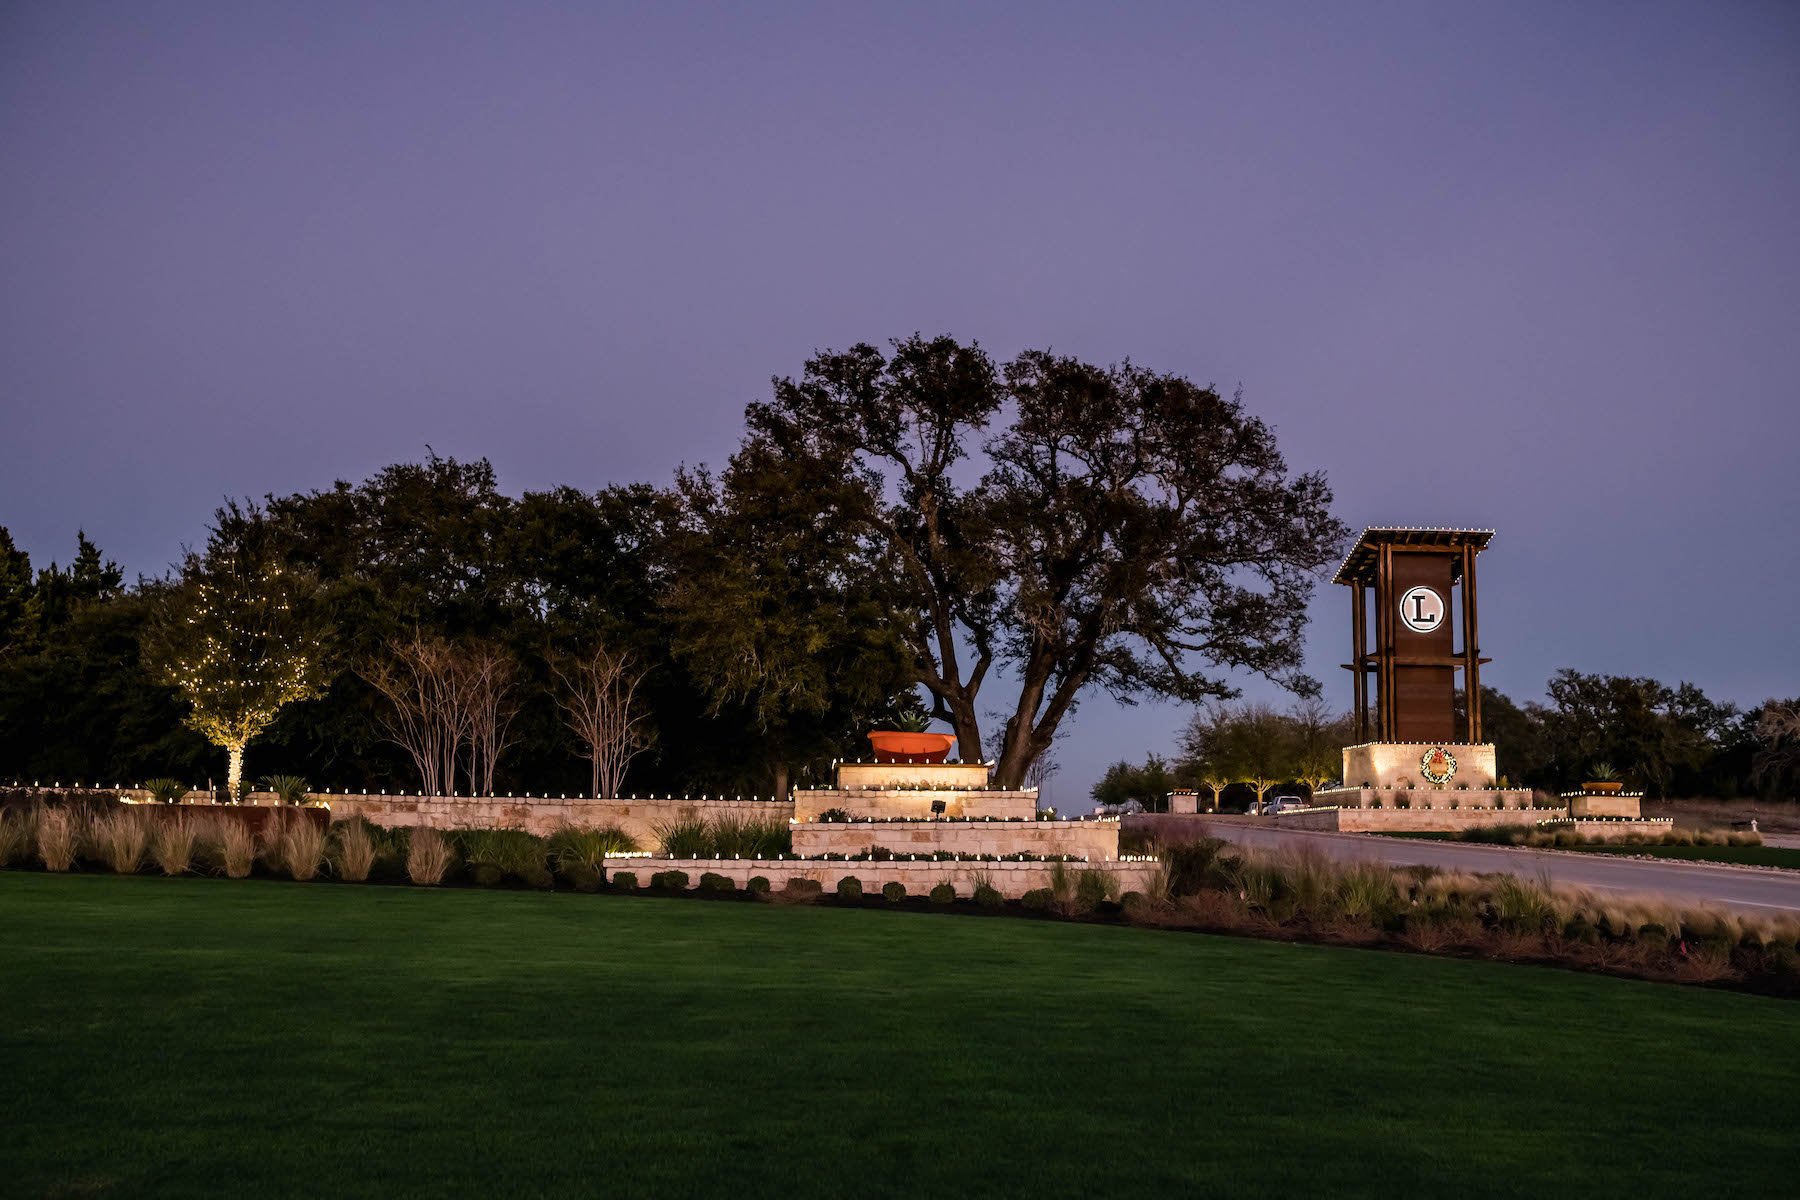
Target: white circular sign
{"points": [[1422, 610]]}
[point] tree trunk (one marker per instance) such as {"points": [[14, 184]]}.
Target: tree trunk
{"points": [[234, 773], [781, 772]]}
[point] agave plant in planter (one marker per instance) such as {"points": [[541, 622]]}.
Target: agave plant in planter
{"points": [[908, 741], [1605, 780]]}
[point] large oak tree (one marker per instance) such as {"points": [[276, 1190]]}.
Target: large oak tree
{"points": [[1120, 529]]}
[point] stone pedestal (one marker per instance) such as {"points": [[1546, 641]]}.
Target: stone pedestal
{"points": [[1396, 764]]}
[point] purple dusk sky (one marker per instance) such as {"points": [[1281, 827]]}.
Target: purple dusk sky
{"points": [[1534, 267]]}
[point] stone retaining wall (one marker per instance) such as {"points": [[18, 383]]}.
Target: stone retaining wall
{"points": [[1412, 820], [1096, 840], [1011, 879], [957, 803], [636, 817]]}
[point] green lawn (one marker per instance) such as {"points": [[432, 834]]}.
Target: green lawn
{"points": [[1757, 856], [217, 1038]]}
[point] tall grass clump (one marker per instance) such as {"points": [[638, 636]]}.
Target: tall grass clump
{"points": [[684, 839], [589, 845], [738, 837], [234, 846], [428, 857], [119, 838], [57, 839], [496, 854], [300, 848], [353, 850], [17, 830], [172, 844]]}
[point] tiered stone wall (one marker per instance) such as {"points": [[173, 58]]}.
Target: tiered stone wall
{"points": [[1096, 840], [878, 775], [974, 804], [1412, 820], [1606, 804], [1417, 798], [1395, 764], [636, 817], [1010, 879]]}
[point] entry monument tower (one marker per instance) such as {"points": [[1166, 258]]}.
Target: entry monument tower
{"points": [[1412, 598]]}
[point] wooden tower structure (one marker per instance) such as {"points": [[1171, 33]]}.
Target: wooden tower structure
{"points": [[1414, 575]]}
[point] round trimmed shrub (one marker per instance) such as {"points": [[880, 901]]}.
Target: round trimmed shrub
{"points": [[670, 881], [893, 893], [712, 881], [1038, 899], [758, 885], [486, 874], [849, 888], [803, 889], [943, 893], [580, 876], [625, 881], [988, 896]]}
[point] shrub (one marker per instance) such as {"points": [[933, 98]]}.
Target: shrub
{"points": [[669, 881], [352, 850], [712, 881], [625, 881], [803, 889], [849, 888], [299, 847], [16, 834], [1093, 888], [943, 893], [235, 845], [835, 815], [684, 839], [288, 789], [429, 856], [496, 854], [1038, 899], [588, 845], [172, 844], [737, 837], [758, 885], [56, 839], [893, 893], [988, 896], [166, 791], [119, 838]]}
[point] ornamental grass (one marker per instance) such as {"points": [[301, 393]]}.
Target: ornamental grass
{"points": [[118, 839], [172, 844], [298, 848], [18, 832], [58, 838], [429, 856], [233, 846], [353, 850]]}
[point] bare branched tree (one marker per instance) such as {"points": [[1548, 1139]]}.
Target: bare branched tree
{"points": [[450, 707], [490, 677], [598, 698]]}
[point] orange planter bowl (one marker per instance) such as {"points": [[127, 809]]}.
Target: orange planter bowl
{"points": [[891, 745]]}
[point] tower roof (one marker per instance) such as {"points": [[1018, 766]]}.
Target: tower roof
{"points": [[1359, 565]]}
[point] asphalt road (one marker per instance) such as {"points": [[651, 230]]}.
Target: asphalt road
{"points": [[1750, 890]]}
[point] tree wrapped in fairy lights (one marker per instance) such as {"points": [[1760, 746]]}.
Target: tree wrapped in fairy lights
{"points": [[239, 638]]}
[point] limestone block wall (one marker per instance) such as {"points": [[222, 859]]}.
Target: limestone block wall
{"points": [[1096, 840], [1011, 879], [1002, 805], [1396, 764], [953, 776], [1426, 797], [537, 814], [1606, 804], [1413, 820]]}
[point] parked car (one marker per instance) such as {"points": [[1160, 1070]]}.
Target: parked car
{"points": [[1281, 804]]}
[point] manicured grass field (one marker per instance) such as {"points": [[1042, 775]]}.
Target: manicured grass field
{"points": [[217, 1038], [1756, 856]]}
